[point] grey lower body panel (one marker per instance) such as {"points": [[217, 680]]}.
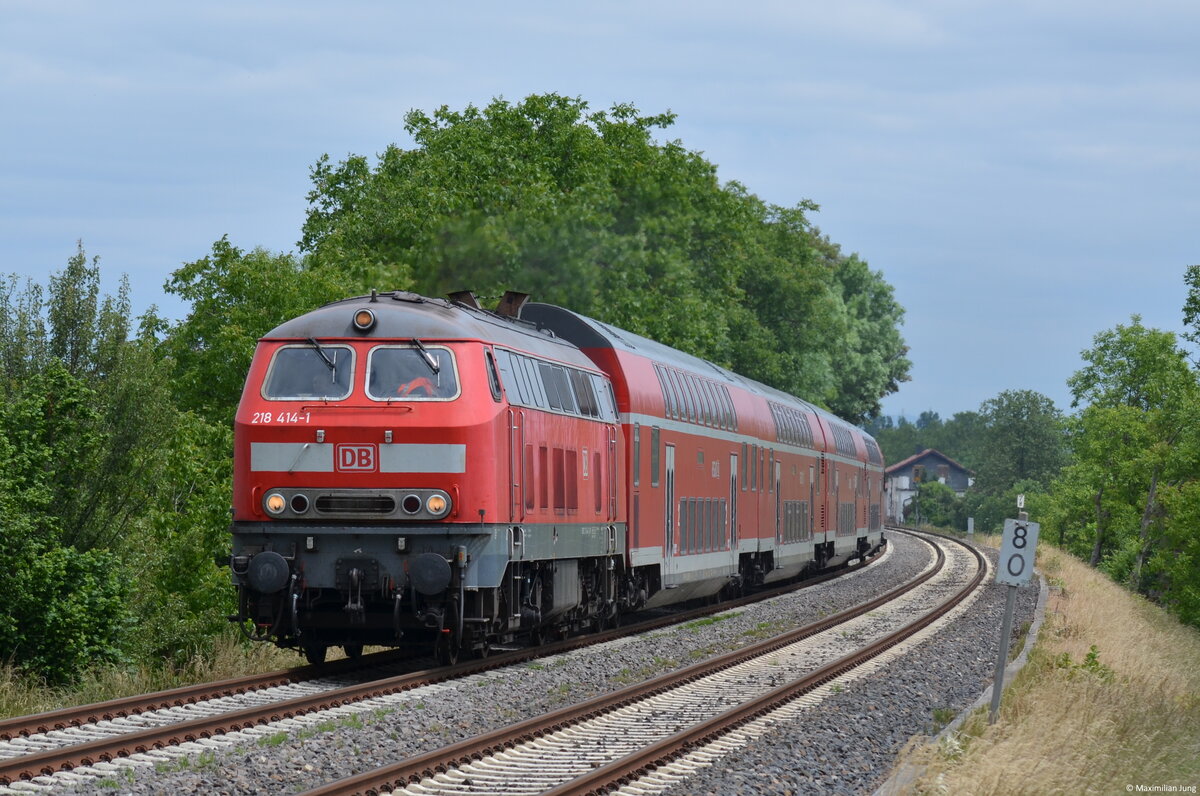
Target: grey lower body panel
{"points": [[482, 551]]}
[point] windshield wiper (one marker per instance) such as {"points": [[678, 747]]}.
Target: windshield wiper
{"points": [[428, 357], [328, 362]]}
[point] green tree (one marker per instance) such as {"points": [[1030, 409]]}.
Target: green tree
{"points": [[94, 398], [937, 505], [182, 596], [1023, 439], [1136, 435], [108, 495], [586, 210], [64, 606], [872, 358]]}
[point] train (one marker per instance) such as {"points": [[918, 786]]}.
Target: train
{"points": [[428, 474]]}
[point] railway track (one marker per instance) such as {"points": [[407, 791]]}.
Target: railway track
{"points": [[37, 747], [693, 715]]}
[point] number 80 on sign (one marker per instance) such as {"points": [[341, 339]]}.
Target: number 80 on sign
{"points": [[1017, 548]]}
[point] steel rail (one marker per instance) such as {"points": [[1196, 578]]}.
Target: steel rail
{"points": [[621, 772], [50, 761], [24, 726], [441, 760]]}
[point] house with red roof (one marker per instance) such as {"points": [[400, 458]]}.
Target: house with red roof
{"points": [[902, 480]]}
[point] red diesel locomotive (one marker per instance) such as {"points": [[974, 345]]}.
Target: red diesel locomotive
{"points": [[410, 470]]}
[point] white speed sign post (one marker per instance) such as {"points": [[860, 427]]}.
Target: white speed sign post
{"points": [[1014, 567]]}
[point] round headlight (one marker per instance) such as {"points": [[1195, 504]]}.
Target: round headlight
{"points": [[436, 504], [299, 504], [364, 320], [275, 503], [411, 504]]}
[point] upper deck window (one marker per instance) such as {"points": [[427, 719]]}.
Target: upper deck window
{"points": [[407, 373], [305, 372]]}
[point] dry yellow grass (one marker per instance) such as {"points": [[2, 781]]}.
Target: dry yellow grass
{"points": [[1122, 719]]}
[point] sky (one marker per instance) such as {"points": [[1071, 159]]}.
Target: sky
{"points": [[1025, 174]]}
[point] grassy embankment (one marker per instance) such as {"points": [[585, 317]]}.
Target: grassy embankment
{"points": [[21, 695], [1108, 703]]}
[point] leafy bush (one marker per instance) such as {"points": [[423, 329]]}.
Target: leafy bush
{"points": [[65, 611]]}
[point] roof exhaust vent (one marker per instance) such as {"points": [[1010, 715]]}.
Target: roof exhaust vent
{"points": [[465, 297], [511, 303]]}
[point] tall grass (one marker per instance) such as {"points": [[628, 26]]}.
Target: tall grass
{"points": [[230, 657], [1109, 701]]}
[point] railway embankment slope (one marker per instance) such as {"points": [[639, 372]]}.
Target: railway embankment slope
{"points": [[1108, 703]]}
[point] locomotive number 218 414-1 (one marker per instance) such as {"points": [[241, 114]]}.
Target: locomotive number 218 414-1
{"points": [[279, 417]]}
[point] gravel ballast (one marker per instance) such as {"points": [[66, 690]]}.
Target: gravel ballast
{"points": [[846, 744]]}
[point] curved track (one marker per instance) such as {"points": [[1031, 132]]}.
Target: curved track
{"points": [[601, 743], [41, 745]]}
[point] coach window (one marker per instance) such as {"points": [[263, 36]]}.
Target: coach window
{"points": [[754, 468], [637, 454], [680, 400], [654, 455], [701, 402], [710, 403], [694, 399], [668, 398], [689, 399], [745, 469]]}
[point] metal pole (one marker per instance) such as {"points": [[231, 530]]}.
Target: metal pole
{"points": [[1002, 653]]}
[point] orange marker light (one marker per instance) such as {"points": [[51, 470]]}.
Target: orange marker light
{"points": [[364, 320]]}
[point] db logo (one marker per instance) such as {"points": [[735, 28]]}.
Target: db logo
{"points": [[355, 458]]}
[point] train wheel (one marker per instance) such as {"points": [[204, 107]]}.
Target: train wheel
{"points": [[353, 651], [447, 645], [445, 648], [315, 653]]}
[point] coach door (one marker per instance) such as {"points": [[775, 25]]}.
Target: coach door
{"points": [[669, 466], [733, 502], [778, 500]]}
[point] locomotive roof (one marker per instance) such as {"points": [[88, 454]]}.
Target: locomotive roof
{"points": [[406, 315], [589, 333]]}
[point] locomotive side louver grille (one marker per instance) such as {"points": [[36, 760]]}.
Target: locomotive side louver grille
{"points": [[356, 504]]}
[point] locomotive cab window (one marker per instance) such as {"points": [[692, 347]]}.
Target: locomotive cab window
{"points": [[408, 373], [306, 372]]}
